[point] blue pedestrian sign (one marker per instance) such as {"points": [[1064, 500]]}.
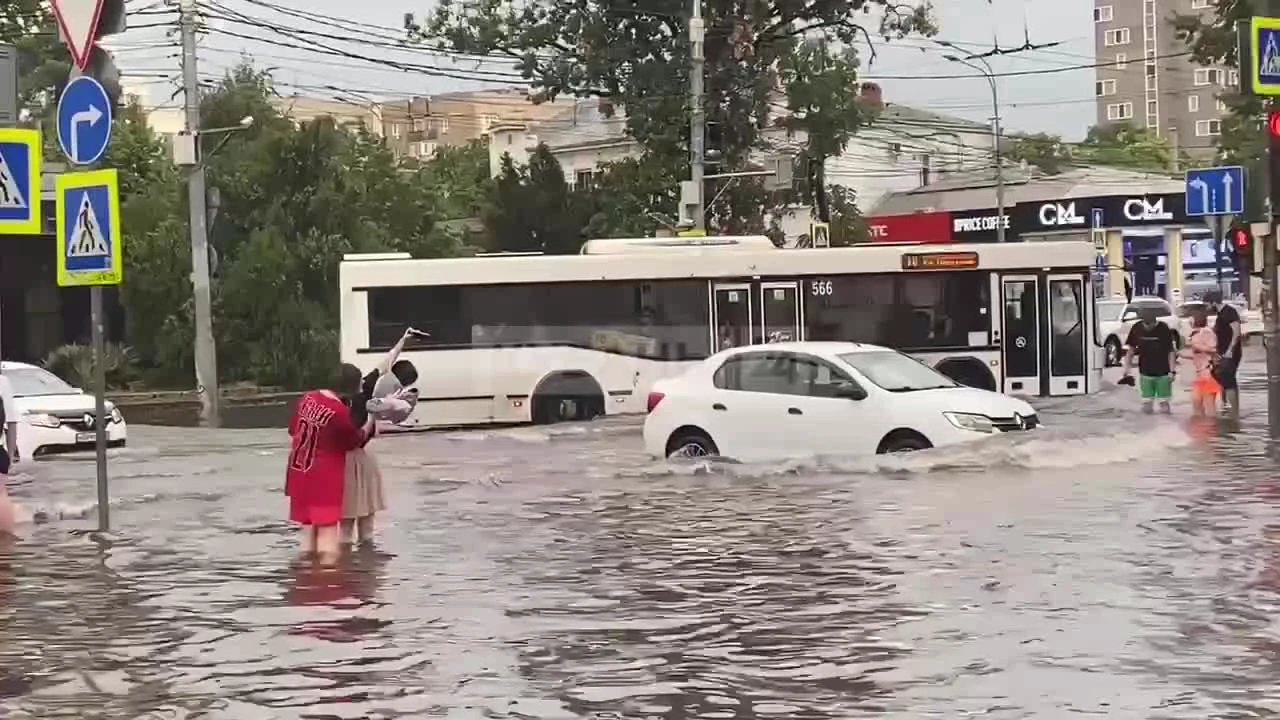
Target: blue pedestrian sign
{"points": [[20, 182], [1264, 45], [89, 241], [1215, 191], [1096, 215], [84, 120]]}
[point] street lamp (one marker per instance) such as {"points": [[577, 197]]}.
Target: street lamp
{"points": [[986, 71]]}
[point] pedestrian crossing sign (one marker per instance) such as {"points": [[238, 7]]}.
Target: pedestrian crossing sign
{"points": [[20, 182], [89, 242], [1264, 47]]}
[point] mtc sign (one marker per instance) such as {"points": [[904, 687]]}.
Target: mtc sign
{"points": [[921, 227]]}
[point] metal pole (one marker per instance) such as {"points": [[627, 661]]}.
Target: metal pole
{"points": [[1270, 259], [995, 145], [697, 114], [206, 354], [100, 406]]}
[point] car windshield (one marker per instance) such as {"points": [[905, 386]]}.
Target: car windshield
{"points": [[1156, 305], [896, 372], [1109, 312], [1191, 309], [31, 382]]}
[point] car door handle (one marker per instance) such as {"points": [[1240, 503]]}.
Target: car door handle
{"points": [[718, 406], [794, 411]]}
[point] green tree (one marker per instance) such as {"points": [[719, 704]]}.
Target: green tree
{"points": [[1119, 145], [637, 59], [1042, 150], [532, 209], [1211, 39], [629, 197]]}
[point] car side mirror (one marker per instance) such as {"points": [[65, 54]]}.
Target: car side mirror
{"points": [[1131, 315], [851, 393]]}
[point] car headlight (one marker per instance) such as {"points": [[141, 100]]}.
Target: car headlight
{"points": [[42, 420], [115, 415], [970, 421]]}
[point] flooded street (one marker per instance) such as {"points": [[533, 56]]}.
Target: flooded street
{"points": [[1112, 565]]}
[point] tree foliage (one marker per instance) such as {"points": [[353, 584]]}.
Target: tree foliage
{"points": [[293, 199], [1211, 40], [1117, 145], [637, 59]]}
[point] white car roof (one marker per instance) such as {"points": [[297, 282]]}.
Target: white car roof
{"points": [[812, 347], [11, 365]]}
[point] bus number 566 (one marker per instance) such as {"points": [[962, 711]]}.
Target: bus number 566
{"points": [[820, 287]]}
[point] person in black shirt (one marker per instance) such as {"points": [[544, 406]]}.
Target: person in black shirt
{"points": [[1152, 341], [1227, 328]]}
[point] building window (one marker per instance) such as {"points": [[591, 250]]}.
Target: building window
{"points": [[488, 121], [395, 130], [1119, 36], [1193, 103], [419, 124], [440, 124], [1102, 13], [1222, 106], [1233, 78], [1199, 4], [660, 319], [1122, 61], [1153, 108], [582, 179], [428, 150], [1208, 128], [1208, 76], [1104, 88], [1120, 111]]}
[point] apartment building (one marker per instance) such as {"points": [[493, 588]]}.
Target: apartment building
{"points": [[460, 117], [1139, 81]]}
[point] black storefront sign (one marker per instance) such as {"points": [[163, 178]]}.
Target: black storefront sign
{"points": [[1117, 211], [980, 226]]}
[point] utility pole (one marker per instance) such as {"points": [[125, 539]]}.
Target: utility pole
{"points": [[996, 132], [697, 114], [206, 354]]}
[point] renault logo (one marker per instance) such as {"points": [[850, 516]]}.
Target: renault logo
{"points": [[88, 419], [1019, 421]]}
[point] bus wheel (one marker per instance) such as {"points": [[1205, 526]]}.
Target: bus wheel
{"points": [[903, 440], [1113, 351], [566, 397], [968, 371]]}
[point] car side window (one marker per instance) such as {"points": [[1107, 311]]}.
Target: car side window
{"points": [[782, 374], [754, 372], [817, 378]]}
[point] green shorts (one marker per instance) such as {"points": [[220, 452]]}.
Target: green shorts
{"points": [[1155, 387]]}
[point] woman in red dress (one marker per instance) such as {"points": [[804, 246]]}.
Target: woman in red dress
{"points": [[322, 433]]}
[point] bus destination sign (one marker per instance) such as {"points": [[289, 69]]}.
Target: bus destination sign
{"points": [[940, 261]]}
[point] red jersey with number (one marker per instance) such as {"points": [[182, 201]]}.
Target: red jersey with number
{"points": [[322, 433]]}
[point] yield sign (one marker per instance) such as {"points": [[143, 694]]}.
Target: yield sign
{"points": [[78, 21]]}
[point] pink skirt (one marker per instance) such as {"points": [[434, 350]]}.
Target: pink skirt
{"points": [[362, 492]]}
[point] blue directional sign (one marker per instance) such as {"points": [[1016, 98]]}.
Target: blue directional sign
{"points": [[84, 120], [1215, 191], [1264, 42], [20, 182], [89, 241]]}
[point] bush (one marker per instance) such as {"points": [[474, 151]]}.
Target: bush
{"points": [[74, 364]]}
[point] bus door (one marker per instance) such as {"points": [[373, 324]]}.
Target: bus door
{"points": [[1020, 301], [1070, 332], [780, 311], [732, 317]]}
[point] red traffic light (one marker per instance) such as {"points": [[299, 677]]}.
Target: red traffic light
{"points": [[1273, 123], [1240, 238]]}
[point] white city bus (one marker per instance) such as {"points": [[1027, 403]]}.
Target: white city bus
{"points": [[541, 338]]}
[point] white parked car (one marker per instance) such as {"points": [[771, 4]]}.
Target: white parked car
{"points": [[1117, 317], [1250, 320], [780, 400], [53, 416]]}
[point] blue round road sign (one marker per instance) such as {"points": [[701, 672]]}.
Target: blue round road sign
{"points": [[84, 120]]}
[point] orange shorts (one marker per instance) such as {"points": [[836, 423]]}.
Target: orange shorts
{"points": [[1205, 385]]}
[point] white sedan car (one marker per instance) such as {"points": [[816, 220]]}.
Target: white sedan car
{"points": [[782, 400], [53, 416]]}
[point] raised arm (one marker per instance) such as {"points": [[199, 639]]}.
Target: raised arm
{"points": [[395, 352]]}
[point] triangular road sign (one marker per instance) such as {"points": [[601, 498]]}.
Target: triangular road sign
{"points": [[87, 238], [10, 195], [78, 23]]}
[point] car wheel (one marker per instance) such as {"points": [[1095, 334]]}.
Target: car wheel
{"points": [[1113, 351], [691, 443], [903, 441]]}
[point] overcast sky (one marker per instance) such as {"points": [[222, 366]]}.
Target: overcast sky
{"points": [[912, 72]]}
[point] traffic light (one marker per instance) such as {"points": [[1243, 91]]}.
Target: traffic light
{"points": [[1273, 157], [1242, 249]]}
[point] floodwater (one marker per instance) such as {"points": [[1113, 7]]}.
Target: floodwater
{"points": [[1113, 565]]}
